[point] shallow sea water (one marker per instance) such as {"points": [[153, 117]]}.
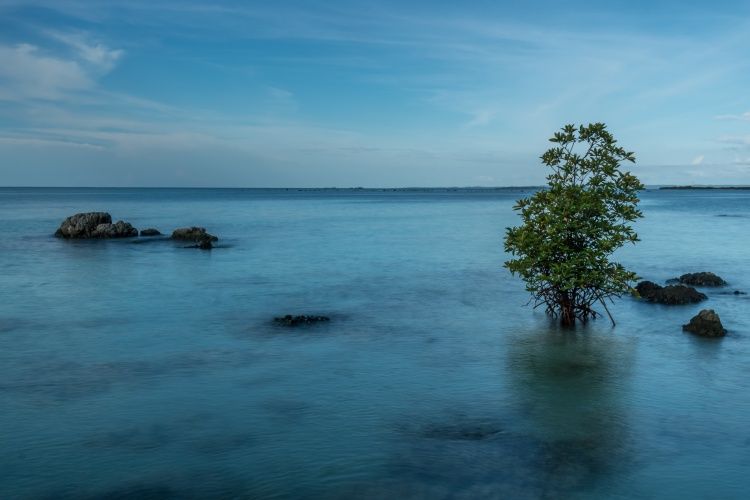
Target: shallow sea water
{"points": [[147, 370]]}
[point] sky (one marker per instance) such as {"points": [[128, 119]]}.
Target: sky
{"points": [[377, 94]]}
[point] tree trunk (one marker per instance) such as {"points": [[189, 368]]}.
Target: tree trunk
{"points": [[567, 311]]}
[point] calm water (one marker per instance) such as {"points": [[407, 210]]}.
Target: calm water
{"points": [[152, 371]]}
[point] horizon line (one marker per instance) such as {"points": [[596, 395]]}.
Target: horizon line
{"points": [[353, 188]]}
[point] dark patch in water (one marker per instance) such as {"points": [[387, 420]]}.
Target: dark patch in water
{"points": [[141, 492], [134, 439], [223, 443], [287, 408], [506, 466], [60, 381], [7, 326], [467, 432], [129, 492]]}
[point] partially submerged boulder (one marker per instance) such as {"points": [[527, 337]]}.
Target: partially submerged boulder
{"points": [[647, 289], [196, 234], [150, 232], [205, 244], [706, 324], [290, 320], [701, 279], [119, 229], [669, 295], [94, 225]]}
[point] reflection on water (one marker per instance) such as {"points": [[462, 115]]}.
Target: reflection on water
{"points": [[572, 388], [566, 430]]}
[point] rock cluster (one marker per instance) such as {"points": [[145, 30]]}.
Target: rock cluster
{"points": [[706, 324], [701, 279], [89, 225], [290, 320], [94, 225], [670, 295]]}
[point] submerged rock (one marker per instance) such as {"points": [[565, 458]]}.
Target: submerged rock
{"points": [[290, 320], [669, 295], [706, 324], [468, 432], [701, 279], [196, 234], [94, 225], [150, 232]]}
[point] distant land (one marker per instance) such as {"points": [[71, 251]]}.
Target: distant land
{"points": [[706, 187]]}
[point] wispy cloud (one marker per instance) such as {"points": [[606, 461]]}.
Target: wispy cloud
{"points": [[98, 56], [742, 117], [26, 72]]}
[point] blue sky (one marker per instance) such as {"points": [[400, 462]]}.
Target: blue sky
{"points": [[345, 93]]}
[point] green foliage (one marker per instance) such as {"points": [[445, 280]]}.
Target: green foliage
{"points": [[571, 228]]}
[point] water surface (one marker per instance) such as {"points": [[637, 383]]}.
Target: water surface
{"points": [[147, 370]]}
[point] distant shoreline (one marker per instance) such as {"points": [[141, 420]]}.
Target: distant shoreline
{"points": [[741, 188], [410, 189]]}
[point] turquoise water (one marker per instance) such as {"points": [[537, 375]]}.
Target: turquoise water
{"points": [[153, 371]]}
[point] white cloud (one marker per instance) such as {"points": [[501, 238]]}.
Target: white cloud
{"points": [[697, 160], [29, 72]]}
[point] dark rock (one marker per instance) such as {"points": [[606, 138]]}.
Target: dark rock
{"points": [[706, 324], [702, 279], [647, 289], [739, 292], [290, 320], [196, 234], [119, 229], [94, 225], [678, 294], [150, 232], [669, 295], [205, 243], [82, 225]]}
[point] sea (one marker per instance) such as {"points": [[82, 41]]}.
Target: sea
{"points": [[138, 368]]}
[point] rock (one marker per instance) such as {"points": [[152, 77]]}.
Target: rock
{"points": [[647, 289], [82, 225], [150, 232], [119, 229], [193, 233], [205, 243], [701, 279], [678, 294], [706, 324], [94, 225], [290, 320], [669, 295], [739, 292]]}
